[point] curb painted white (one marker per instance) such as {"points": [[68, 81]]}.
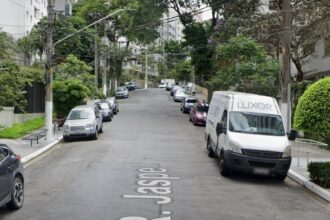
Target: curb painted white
{"points": [[309, 185], [41, 151]]}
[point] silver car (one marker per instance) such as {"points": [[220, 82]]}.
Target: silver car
{"points": [[83, 121], [180, 95], [121, 92]]}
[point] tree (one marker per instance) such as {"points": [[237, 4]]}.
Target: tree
{"points": [[183, 71], [243, 65], [312, 113], [7, 46], [75, 69], [68, 94], [12, 84], [27, 47]]}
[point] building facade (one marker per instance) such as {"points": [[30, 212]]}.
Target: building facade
{"points": [[17, 17]]}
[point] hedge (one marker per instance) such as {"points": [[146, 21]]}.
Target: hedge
{"points": [[319, 172], [312, 113]]}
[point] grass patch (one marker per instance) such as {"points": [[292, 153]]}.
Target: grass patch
{"points": [[19, 130]]}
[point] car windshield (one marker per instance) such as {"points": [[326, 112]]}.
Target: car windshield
{"points": [[256, 124], [111, 101], [202, 108], [103, 106], [121, 88], [191, 101], [78, 114]]}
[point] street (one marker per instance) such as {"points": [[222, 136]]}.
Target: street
{"points": [[151, 163]]}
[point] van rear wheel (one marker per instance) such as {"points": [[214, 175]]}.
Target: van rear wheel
{"points": [[224, 170]]}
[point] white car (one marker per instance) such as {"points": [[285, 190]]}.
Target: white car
{"points": [[162, 85], [83, 121], [180, 95]]}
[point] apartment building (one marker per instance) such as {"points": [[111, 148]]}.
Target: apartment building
{"points": [[17, 17]]}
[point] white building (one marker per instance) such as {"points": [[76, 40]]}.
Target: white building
{"points": [[171, 28], [17, 17]]}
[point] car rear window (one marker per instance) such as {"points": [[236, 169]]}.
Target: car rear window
{"points": [[202, 108], [191, 100], [103, 105]]}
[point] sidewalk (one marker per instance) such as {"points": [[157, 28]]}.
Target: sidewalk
{"points": [[24, 149], [302, 154]]}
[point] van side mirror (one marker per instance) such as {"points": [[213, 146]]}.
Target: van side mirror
{"points": [[220, 128], [292, 135]]}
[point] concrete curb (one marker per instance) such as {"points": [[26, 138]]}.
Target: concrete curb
{"points": [[41, 151], [309, 185]]}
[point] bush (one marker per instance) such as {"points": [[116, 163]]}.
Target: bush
{"points": [[319, 172], [67, 95], [312, 113]]}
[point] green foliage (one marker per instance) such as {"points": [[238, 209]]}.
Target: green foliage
{"points": [[19, 130], [183, 71], [12, 84], [80, 44], [68, 94], [75, 69], [312, 113], [319, 172], [27, 47], [7, 46], [243, 65]]}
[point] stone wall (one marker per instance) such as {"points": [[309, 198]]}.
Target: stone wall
{"points": [[8, 118]]}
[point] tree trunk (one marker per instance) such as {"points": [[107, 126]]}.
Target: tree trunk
{"points": [[300, 73]]}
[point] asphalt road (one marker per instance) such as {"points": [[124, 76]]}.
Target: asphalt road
{"points": [[151, 163]]}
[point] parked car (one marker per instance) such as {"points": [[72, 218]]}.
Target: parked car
{"points": [[180, 95], [114, 104], [198, 113], [174, 88], [121, 92], [246, 132], [11, 178], [169, 86], [83, 121], [188, 103], [130, 86], [106, 110], [162, 85]]}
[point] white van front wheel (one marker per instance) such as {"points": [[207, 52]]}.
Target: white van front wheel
{"points": [[210, 152], [224, 170]]}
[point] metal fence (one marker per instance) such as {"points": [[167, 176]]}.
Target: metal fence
{"points": [[309, 150]]}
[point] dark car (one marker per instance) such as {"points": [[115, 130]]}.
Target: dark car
{"points": [[11, 178], [198, 113], [106, 110], [130, 86], [188, 103]]}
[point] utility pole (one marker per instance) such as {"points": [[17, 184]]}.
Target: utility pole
{"points": [[285, 70], [49, 70], [96, 60], [146, 74]]}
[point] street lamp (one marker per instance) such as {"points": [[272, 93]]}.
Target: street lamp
{"points": [[50, 53]]}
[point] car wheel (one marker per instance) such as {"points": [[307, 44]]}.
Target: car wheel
{"points": [[96, 135], [66, 139], [280, 177], [224, 170], [17, 194]]}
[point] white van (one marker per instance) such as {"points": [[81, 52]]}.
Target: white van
{"points": [[246, 132]]}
